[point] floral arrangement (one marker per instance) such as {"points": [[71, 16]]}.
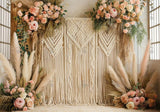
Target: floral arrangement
{"points": [[132, 91], [23, 97], [125, 13], [26, 82], [40, 14]]}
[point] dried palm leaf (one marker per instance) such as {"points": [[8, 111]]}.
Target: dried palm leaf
{"points": [[44, 82], [25, 66], [16, 56], [35, 76], [123, 74], [152, 82], [134, 69], [118, 84], [8, 68], [30, 64], [144, 63]]}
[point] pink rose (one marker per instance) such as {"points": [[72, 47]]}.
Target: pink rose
{"points": [[116, 4], [16, 87], [125, 31], [50, 12], [37, 4], [107, 16], [101, 8], [56, 7], [31, 18], [33, 25], [113, 12], [19, 5], [49, 4], [133, 23], [19, 103], [31, 82], [44, 20], [98, 12], [123, 11], [97, 16], [132, 1], [11, 83], [137, 10], [13, 91], [25, 109], [32, 98], [56, 14], [30, 94], [20, 14], [118, 20], [124, 99], [21, 90], [7, 90], [25, 18], [136, 100], [29, 31], [57, 21], [142, 99], [137, 92], [125, 17], [133, 93], [129, 93], [34, 10], [128, 25], [130, 100], [45, 7], [59, 8]]}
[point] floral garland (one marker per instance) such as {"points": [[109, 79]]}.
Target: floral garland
{"points": [[126, 13], [40, 14], [23, 98]]}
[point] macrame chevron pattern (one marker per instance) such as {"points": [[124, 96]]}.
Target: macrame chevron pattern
{"points": [[80, 31], [55, 43], [107, 41]]}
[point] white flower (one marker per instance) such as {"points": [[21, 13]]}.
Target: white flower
{"points": [[129, 8], [23, 95], [30, 103], [130, 105]]}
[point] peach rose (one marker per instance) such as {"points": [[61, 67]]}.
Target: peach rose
{"points": [[137, 10], [19, 5], [25, 18], [6, 84], [133, 93], [133, 23], [98, 12], [31, 82], [50, 12], [56, 14], [134, 14], [125, 17], [45, 7], [51, 7], [20, 14], [40, 16], [25, 108], [59, 8], [132, 1], [113, 12], [125, 31], [124, 99], [122, 6], [136, 100], [44, 20], [29, 31], [118, 20], [30, 94], [130, 105], [33, 25], [130, 100], [129, 8], [19, 103], [41, 2], [31, 18], [30, 103], [103, 1], [7, 90], [32, 98], [37, 4], [21, 90], [49, 4], [107, 16], [104, 5], [57, 21], [123, 11], [100, 7], [142, 99], [116, 4], [13, 91], [97, 16], [138, 2], [56, 7], [34, 10], [125, 3], [109, 7]]}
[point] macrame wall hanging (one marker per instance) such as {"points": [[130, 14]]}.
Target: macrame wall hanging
{"points": [[79, 56]]}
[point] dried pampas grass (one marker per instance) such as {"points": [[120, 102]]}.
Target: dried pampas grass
{"points": [[144, 63], [8, 68], [25, 67], [2, 74], [30, 64], [35, 76], [44, 82], [134, 69], [16, 56], [116, 79], [123, 73]]}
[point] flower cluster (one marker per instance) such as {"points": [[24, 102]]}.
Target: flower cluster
{"points": [[123, 12], [23, 97], [40, 14], [137, 99]]}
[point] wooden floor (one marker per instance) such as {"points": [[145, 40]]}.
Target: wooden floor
{"points": [[83, 108]]}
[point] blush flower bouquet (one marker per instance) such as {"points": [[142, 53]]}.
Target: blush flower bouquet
{"points": [[125, 13], [40, 14]]}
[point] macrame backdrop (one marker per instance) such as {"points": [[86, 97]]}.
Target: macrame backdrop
{"points": [[79, 57]]}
